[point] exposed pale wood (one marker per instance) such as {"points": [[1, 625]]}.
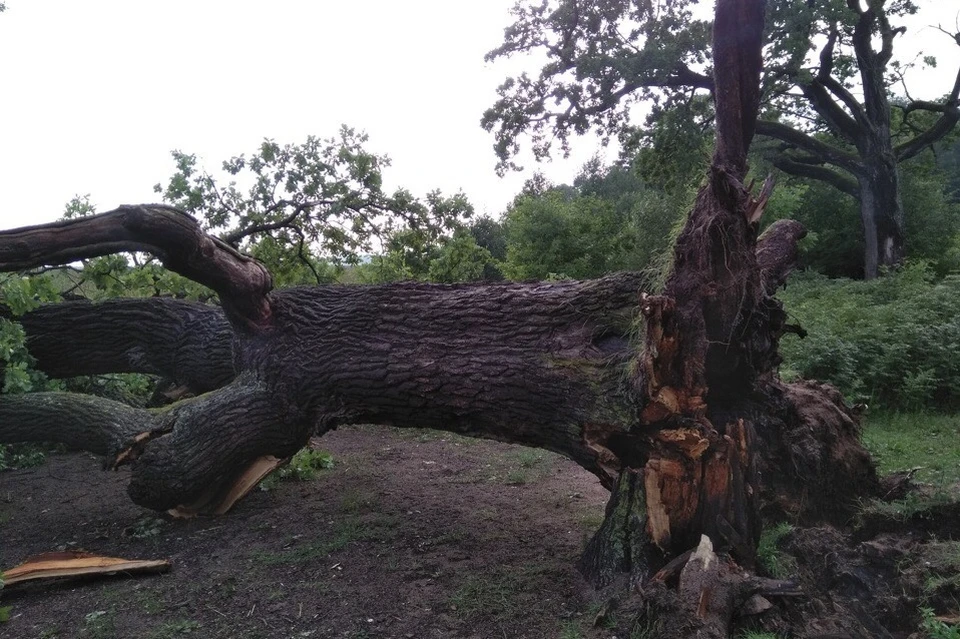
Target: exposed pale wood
{"points": [[218, 502], [58, 565]]}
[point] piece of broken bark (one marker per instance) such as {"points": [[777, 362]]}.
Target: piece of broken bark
{"points": [[66, 564]]}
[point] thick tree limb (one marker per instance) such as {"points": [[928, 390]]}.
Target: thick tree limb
{"points": [[839, 120], [241, 282], [810, 144], [822, 173], [82, 422], [189, 343], [188, 454], [872, 64], [825, 77]]}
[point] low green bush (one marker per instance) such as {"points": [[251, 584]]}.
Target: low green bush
{"points": [[893, 342]]}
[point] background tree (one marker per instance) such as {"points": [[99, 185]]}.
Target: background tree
{"points": [[607, 221], [604, 58], [308, 209]]}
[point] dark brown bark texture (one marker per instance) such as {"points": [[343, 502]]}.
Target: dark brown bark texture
{"points": [[539, 364], [722, 431], [188, 343], [164, 231], [694, 434]]}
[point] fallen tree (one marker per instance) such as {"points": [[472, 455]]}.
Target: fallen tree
{"points": [[671, 399]]}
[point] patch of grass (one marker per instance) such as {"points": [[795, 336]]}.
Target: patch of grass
{"points": [[493, 594], [172, 629], [355, 501], [345, 532], [645, 629], [590, 519], [520, 466], [149, 601], [500, 593], [757, 634], [902, 441], [529, 457], [5, 613], [517, 477], [571, 630], [769, 554], [936, 629], [99, 624], [940, 560], [424, 435], [902, 510], [452, 537], [16, 456], [304, 466], [49, 633]]}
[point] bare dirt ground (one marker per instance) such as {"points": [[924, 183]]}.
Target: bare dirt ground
{"points": [[420, 534], [411, 534]]}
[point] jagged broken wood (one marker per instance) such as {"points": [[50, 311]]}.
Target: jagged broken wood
{"points": [[76, 564], [693, 432]]}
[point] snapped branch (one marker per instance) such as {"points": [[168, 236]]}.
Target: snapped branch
{"points": [[241, 282]]}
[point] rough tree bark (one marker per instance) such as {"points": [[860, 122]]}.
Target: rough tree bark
{"points": [[694, 434]]}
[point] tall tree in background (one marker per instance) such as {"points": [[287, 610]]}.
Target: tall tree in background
{"points": [[828, 100]]}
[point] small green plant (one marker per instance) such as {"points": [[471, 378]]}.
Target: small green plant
{"points": [[99, 624], [346, 532], [492, 594], [304, 466], [936, 629], [172, 629], [571, 630], [517, 477], [16, 456], [146, 528], [5, 614], [769, 554]]}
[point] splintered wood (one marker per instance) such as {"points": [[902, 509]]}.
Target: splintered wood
{"points": [[59, 565]]}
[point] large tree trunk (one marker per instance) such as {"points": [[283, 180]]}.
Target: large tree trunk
{"points": [[881, 211], [539, 364], [694, 433]]}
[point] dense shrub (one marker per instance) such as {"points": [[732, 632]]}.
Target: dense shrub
{"points": [[893, 342]]}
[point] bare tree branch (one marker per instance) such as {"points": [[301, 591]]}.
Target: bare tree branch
{"points": [[241, 282], [822, 173], [829, 154]]}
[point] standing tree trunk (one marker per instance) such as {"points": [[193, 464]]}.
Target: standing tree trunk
{"points": [[881, 210], [707, 372]]}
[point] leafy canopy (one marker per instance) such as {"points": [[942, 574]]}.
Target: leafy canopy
{"points": [[829, 68], [322, 199]]}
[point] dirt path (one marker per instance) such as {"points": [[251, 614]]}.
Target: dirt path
{"points": [[411, 534]]}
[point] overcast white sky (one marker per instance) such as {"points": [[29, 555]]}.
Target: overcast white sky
{"points": [[95, 94]]}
